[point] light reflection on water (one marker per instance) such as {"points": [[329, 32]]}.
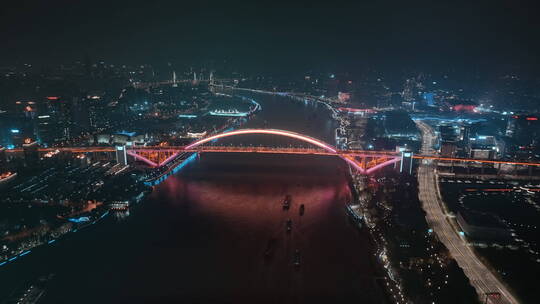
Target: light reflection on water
{"points": [[200, 237]]}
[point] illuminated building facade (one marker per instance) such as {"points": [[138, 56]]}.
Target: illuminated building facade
{"points": [[429, 99], [45, 129]]}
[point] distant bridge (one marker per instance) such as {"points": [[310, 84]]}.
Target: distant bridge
{"points": [[154, 84]]}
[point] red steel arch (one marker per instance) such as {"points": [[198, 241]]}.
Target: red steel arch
{"points": [[308, 139], [305, 138]]}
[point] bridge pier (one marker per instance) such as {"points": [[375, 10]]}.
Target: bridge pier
{"points": [[406, 162], [121, 155]]}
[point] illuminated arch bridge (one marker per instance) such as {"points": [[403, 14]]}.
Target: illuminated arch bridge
{"points": [[364, 161]]}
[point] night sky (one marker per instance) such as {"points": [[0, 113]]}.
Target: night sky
{"points": [[272, 34]]}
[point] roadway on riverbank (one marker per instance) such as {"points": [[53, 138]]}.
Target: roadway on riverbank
{"points": [[479, 275]]}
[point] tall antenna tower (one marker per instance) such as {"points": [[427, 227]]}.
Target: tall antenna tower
{"points": [[174, 81]]}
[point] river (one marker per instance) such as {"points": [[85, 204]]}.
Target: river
{"points": [[201, 236]]}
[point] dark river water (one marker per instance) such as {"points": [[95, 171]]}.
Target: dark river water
{"points": [[201, 236]]}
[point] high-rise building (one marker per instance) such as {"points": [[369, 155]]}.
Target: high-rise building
{"points": [[80, 114], [465, 134], [61, 110], [483, 147], [14, 128], [45, 129], [31, 154], [27, 108], [409, 90], [449, 140], [465, 138], [524, 129], [3, 159], [429, 99], [95, 105]]}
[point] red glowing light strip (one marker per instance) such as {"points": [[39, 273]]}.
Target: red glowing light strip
{"points": [[461, 107], [532, 118], [142, 158], [354, 164], [386, 163], [212, 149], [371, 153], [269, 149], [169, 159], [265, 131], [357, 110]]}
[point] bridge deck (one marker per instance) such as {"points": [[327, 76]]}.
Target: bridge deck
{"points": [[270, 150]]}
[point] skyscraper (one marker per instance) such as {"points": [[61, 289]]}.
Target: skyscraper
{"points": [[61, 110], [31, 154], [3, 159], [429, 99], [45, 129]]}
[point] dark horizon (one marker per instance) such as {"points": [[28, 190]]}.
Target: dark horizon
{"points": [[274, 36]]}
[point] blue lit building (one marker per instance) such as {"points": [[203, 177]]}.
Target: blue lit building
{"points": [[14, 129], [429, 99]]}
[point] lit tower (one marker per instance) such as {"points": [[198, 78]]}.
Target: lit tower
{"points": [[211, 78], [174, 82]]}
